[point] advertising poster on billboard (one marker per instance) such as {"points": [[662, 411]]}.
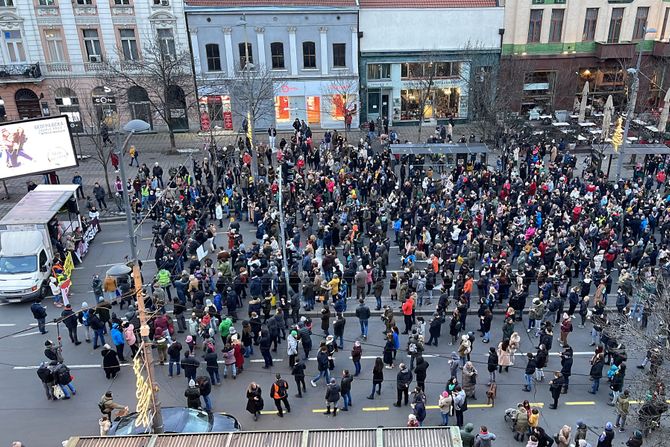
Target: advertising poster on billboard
{"points": [[36, 146]]}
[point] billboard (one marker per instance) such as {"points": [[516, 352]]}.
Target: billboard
{"points": [[36, 146]]}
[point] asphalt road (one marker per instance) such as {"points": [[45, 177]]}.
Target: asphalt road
{"points": [[28, 416]]}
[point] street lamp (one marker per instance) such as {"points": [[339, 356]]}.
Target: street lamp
{"points": [[246, 70], [631, 102], [133, 127]]}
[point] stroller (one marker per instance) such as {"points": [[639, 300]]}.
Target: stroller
{"points": [[510, 417]]}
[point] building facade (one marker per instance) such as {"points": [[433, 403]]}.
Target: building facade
{"points": [[307, 49], [461, 39], [51, 52], [552, 47]]}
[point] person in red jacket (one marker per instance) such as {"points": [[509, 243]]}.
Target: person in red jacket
{"points": [[407, 310]]}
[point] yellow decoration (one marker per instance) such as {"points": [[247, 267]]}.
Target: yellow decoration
{"points": [[142, 392], [250, 130], [617, 136], [68, 265]]}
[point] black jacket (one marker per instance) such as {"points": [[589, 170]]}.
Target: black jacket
{"points": [[69, 319], [298, 369], [322, 360], [363, 312], [332, 392], [404, 378], [38, 310], [338, 327], [531, 366], [345, 384], [190, 365], [420, 370], [597, 369]]}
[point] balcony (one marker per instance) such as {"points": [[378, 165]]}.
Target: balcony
{"points": [[93, 66], [661, 49], [47, 11], [615, 50], [85, 10], [14, 73], [122, 10], [58, 67]]}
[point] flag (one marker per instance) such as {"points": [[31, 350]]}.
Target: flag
{"points": [[68, 265], [250, 131]]}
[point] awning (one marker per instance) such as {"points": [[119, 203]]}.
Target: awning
{"points": [[439, 148]]}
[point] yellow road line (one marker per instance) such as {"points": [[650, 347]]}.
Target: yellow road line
{"points": [[432, 407], [537, 404], [319, 410], [376, 409], [479, 406], [580, 403], [269, 412]]}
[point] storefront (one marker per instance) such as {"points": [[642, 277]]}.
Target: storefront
{"points": [[322, 104], [215, 113], [396, 91]]}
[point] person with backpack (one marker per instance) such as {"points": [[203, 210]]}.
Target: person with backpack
{"points": [[107, 406], [63, 378], [47, 379], [40, 314], [279, 393]]}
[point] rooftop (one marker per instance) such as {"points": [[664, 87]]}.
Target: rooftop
{"points": [[388, 4], [272, 3]]}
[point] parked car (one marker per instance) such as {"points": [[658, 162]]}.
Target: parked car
{"points": [[178, 420]]}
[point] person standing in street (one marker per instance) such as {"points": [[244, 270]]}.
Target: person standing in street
{"points": [[622, 406], [110, 362], [272, 136], [192, 395], [99, 194], [254, 400], [279, 393], [332, 396], [460, 404], [363, 315], [134, 155], [77, 180], [531, 366], [484, 438], [596, 373], [403, 380], [205, 387], [119, 340], [345, 389], [47, 379], [190, 366], [298, 373], [356, 354], [322, 365], [40, 314], [555, 387], [70, 321]]}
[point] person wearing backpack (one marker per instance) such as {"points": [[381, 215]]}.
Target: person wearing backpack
{"points": [[47, 378], [279, 393], [63, 378], [107, 406]]}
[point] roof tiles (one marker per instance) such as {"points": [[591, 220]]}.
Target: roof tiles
{"points": [[388, 4]]}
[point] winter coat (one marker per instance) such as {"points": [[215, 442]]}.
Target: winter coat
{"points": [[255, 402], [332, 393], [110, 361], [446, 404], [129, 334], [117, 336], [469, 380], [564, 436], [504, 357]]}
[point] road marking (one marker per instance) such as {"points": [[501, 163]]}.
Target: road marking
{"points": [[26, 334], [480, 406], [111, 242], [147, 238], [19, 368], [7, 324], [578, 403], [319, 410], [262, 360], [269, 412], [376, 409]]}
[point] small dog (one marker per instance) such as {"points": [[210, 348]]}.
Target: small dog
{"points": [[491, 394]]}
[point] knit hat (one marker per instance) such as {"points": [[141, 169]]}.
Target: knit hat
{"points": [[191, 383]]}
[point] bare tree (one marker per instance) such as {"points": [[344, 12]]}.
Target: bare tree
{"points": [[92, 120], [343, 93], [164, 72], [421, 78], [642, 329]]}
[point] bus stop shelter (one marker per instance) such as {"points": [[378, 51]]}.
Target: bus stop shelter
{"points": [[632, 151], [456, 153]]}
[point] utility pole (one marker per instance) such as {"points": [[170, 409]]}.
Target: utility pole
{"points": [[157, 420], [632, 100]]}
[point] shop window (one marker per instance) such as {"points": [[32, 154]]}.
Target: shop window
{"points": [[213, 57], [535, 25], [590, 22], [277, 51], [615, 25], [339, 104], [309, 55], [282, 110], [447, 102], [410, 101], [379, 71], [314, 109]]}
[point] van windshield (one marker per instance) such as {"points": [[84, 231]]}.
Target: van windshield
{"points": [[18, 264]]}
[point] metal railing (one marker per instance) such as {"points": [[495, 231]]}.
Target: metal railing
{"points": [[12, 71]]}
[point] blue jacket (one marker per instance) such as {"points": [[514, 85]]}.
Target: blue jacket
{"points": [[117, 335]]}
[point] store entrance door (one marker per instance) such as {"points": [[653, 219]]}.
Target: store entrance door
{"points": [[385, 106]]}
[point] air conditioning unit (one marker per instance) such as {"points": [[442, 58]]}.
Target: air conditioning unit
{"points": [[94, 58]]}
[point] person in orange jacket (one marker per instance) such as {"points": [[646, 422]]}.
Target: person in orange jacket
{"points": [[407, 311]]}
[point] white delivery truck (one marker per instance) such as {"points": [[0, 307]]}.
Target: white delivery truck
{"points": [[28, 235]]}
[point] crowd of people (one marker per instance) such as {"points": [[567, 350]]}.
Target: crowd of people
{"points": [[539, 238]]}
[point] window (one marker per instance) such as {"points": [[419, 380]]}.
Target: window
{"points": [[556, 25], [411, 70], [379, 71], [213, 57], [55, 47], [309, 55], [339, 55], [640, 23], [590, 22], [92, 44], [6, 2], [84, 2], [166, 42], [665, 23], [14, 44], [246, 55], [446, 69], [534, 25], [615, 25], [47, 2], [277, 52], [128, 44], [161, 2], [122, 2]]}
